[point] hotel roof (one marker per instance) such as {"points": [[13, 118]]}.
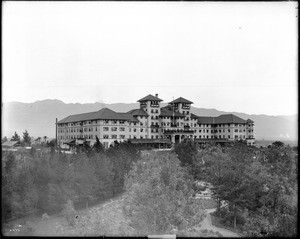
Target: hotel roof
{"points": [[139, 112], [149, 98], [229, 118], [222, 119], [205, 120], [105, 113], [181, 100]]}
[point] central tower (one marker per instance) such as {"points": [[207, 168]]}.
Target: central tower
{"points": [[151, 104]]}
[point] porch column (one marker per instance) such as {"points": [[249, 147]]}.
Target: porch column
{"points": [[173, 138], [179, 138]]}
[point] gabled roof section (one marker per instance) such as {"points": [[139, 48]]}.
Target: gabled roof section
{"points": [[181, 100], [149, 98], [206, 120], [229, 119], [222, 119], [137, 112], [249, 121], [10, 143], [129, 117], [166, 112], [193, 116], [104, 114]]}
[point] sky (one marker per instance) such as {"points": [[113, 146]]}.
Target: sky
{"points": [[234, 57]]}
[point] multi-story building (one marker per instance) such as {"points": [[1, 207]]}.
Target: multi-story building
{"points": [[152, 124]]}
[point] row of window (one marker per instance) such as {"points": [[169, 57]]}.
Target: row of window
{"points": [[122, 122], [89, 129], [114, 136], [114, 122], [77, 137]]}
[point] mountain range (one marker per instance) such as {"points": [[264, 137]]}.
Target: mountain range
{"points": [[38, 118]]}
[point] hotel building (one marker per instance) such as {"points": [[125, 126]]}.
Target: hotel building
{"points": [[152, 124]]}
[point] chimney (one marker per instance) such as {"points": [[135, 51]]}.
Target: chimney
{"points": [[156, 95]]}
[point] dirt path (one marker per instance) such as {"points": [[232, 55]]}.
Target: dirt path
{"points": [[206, 224], [56, 225]]}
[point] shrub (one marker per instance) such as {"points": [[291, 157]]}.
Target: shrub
{"points": [[69, 213], [240, 219]]}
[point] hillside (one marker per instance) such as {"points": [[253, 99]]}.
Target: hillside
{"points": [[39, 118]]}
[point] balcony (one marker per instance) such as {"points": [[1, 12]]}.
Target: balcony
{"points": [[154, 105], [186, 107], [154, 126], [172, 131]]}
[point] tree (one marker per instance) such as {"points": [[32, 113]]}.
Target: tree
{"points": [[211, 162], [98, 147], [26, 138], [15, 137], [187, 153], [159, 196], [51, 144], [278, 144], [4, 139]]}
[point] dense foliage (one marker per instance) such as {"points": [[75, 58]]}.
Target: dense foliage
{"points": [[258, 185], [256, 189], [159, 197], [43, 181]]}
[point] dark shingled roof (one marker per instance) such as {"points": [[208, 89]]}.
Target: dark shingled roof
{"points": [[193, 116], [222, 119], [129, 117], [229, 119], [149, 98], [104, 113], [206, 120], [166, 112], [10, 143], [138, 112], [181, 100]]}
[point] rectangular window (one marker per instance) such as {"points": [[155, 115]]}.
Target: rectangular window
{"points": [[105, 136], [122, 129], [114, 128], [106, 121], [122, 136], [114, 136], [105, 128]]}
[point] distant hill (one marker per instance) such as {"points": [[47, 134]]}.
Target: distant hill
{"points": [[39, 118]]}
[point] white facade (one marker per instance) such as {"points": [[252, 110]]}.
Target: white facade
{"points": [[174, 123]]}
